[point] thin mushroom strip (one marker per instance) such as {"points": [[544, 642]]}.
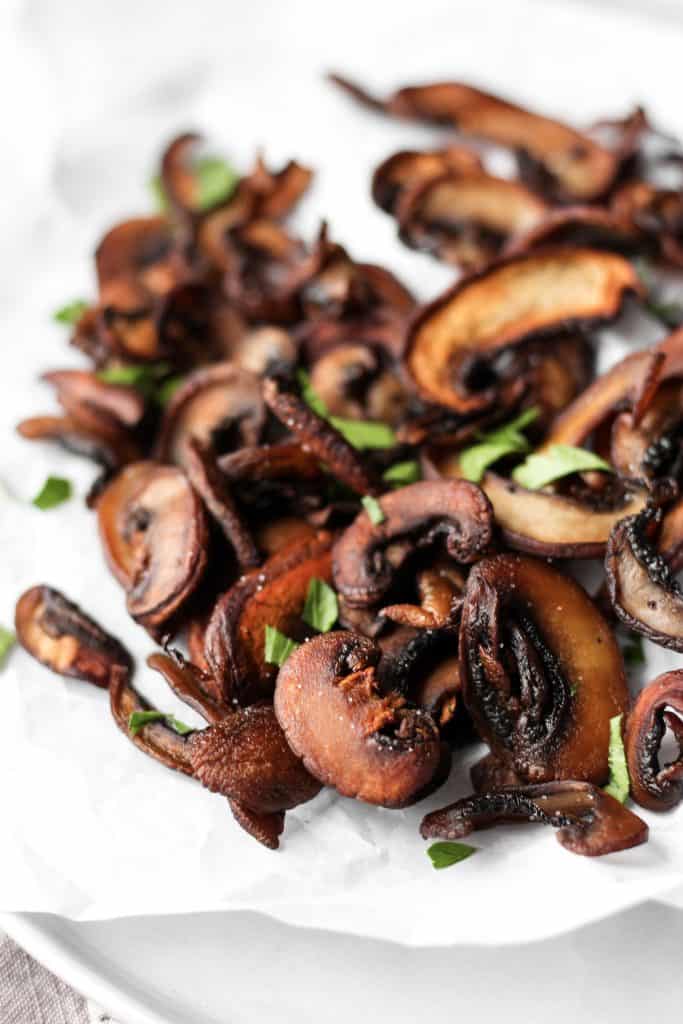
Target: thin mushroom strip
{"points": [[589, 821], [658, 787]]}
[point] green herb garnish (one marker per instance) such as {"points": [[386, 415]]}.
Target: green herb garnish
{"points": [[321, 609], [618, 785], [277, 647], [71, 313], [54, 491], [373, 509], [7, 642], [147, 378], [361, 434], [403, 473], [560, 460], [632, 651], [216, 182], [443, 855], [495, 444], [138, 719]]}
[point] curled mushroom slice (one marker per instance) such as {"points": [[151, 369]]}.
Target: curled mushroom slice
{"points": [[154, 531], [371, 747], [453, 342], [542, 673], [96, 404], [220, 405], [104, 447], [656, 786], [272, 596], [569, 163], [367, 556], [466, 220], [590, 226], [317, 435], [440, 592], [140, 249], [155, 738], [590, 822], [642, 586], [58, 634], [408, 168]]}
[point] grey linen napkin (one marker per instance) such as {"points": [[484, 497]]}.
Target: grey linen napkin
{"points": [[29, 994]]}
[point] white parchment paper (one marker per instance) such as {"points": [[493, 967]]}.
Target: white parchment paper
{"points": [[91, 828]]}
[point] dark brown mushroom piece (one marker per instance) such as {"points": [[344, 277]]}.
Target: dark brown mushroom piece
{"points": [[440, 591], [408, 168], [423, 665], [58, 634], [368, 556], [643, 589], [95, 403], [100, 446], [589, 821], [542, 674], [141, 249], [368, 746], [155, 533], [452, 345], [657, 213], [658, 707], [588, 226]]}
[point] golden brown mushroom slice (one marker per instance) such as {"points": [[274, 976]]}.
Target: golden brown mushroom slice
{"points": [[466, 220], [368, 746], [408, 168], [155, 536], [590, 822], [466, 328], [656, 785], [569, 163], [542, 673], [59, 635]]}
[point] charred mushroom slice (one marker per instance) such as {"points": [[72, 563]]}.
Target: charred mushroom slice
{"points": [[154, 531], [368, 556], [455, 338], [590, 822], [59, 635], [660, 705], [371, 747], [643, 589], [541, 670]]}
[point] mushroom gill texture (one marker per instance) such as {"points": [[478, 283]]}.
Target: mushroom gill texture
{"points": [[542, 674], [658, 707], [367, 745], [58, 634], [643, 589], [589, 821], [368, 556]]}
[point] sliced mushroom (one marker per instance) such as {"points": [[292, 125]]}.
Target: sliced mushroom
{"points": [[58, 634], [454, 338], [642, 587], [155, 533], [155, 738], [101, 446], [367, 556], [96, 404], [590, 226], [140, 249], [541, 670], [440, 591], [657, 213], [371, 747], [590, 822], [660, 705], [265, 350], [408, 168]]}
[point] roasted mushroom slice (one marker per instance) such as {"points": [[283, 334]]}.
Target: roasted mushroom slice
{"points": [[642, 587], [58, 634], [220, 405], [454, 341], [368, 556], [371, 747], [568, 163], [590, 226], [660, 705], [542, 673], [408, 168], [96, 404], [590, 822], [101, 446], [141, 249], [155, 533], [655, 212]]}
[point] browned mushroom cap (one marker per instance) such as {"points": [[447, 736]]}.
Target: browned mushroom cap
{"points": [[590, 822], [575, 225], [655, 786], [407, 168], [154, 531], [272, 596], [569, 162], [58, 634], [340, 378], [96, 404], [465, 220], [541, 670], [642, 587], [367, 556], [504, 305], [317, 435], [139, 249], [367, 746], [219, 405]]}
